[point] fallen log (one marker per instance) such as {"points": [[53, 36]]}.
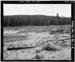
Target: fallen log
{"points": [[19, 48]]}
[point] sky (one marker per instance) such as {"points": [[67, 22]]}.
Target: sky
{"points": [[37, 9]]}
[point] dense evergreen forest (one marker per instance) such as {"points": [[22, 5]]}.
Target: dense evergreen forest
{"points": [[34, 20]]}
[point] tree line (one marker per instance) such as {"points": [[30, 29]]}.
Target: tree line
{"points": [[34, 20]]}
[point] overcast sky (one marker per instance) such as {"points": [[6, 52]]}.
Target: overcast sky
{"points": [[38, 9]]}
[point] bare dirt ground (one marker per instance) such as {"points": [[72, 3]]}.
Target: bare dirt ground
{"points": [[37, 43]]}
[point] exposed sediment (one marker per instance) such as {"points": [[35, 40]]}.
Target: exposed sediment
{"points": [[39, 46]]}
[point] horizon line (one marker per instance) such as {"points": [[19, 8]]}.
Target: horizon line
{"points": [[34, 14]]}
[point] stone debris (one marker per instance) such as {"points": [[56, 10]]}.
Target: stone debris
{"points": [[39, 46]]}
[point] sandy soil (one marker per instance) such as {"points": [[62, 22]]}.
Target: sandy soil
{"points": [[36, 46]]}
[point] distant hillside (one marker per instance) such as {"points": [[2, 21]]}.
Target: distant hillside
{"points": [[35, 20]]}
